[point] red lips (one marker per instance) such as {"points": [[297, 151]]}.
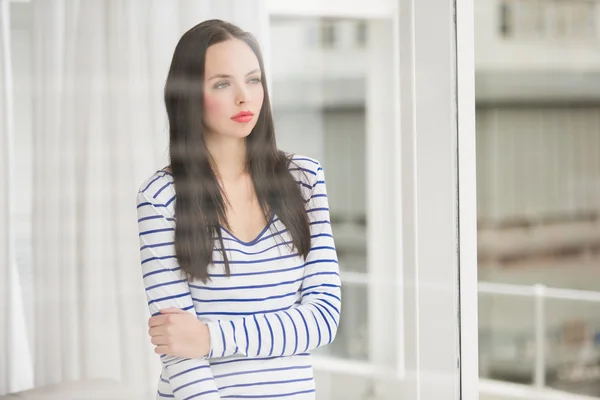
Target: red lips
{"points": [[243, 117]]}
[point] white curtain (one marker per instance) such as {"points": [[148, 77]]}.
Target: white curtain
{"points": [[99, 129], [15, 359]]}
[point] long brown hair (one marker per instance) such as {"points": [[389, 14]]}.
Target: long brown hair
{"points": [[200, 206]]}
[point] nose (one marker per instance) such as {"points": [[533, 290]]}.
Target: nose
{"points": [[242, 95]]}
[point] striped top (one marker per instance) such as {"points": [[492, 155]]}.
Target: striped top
{"points": [[265, 318]]}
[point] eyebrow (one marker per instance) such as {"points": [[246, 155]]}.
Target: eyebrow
{"points": [[229, 76]]}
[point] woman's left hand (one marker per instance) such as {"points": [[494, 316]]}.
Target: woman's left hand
{"points": [[179, 333]]}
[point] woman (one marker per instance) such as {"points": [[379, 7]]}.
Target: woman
{"points": [[246, 283]]}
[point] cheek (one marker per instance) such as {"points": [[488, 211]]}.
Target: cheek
{"points": [[213, 106], [258, 96]]}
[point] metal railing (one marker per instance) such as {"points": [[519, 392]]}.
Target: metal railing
{"points": [[540, 294]]}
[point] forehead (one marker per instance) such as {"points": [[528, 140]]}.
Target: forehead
{"points": [[231, 57]]}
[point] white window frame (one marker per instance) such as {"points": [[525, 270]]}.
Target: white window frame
{"points": [[467, 197], [439, 197]]}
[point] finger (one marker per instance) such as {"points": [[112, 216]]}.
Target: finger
{"points": [[157, 331], [159, 340], [157, 320], [162, 349], [172, 310]]}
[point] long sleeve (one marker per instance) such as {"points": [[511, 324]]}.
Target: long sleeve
{"points": [[166, 286], [306, 326]]}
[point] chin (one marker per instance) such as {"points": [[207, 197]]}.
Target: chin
{"points": [[239, 134], [237, 131], [242, 131]]}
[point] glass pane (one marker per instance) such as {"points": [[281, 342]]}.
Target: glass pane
{"points": [[319, 109], [538, 189], [506, 345], [322, 70], [573, 334], [352, 340], [77, 170]]}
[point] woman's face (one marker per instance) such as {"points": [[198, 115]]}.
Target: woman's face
{"points": [[233, 92]]}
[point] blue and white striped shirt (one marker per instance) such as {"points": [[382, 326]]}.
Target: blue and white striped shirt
{"points": [[265, 318]]}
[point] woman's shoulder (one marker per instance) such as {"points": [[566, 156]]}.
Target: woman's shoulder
{"points": [[306, 171], [303, 163], [158, 187]]}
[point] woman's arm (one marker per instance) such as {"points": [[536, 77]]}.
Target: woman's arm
{"points": [[167, 287], [314, 321]]}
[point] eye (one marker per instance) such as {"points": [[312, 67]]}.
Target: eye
{"points": [[221, 85], [254, 80]]}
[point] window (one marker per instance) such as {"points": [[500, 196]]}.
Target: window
{"points": [[341, 105], [361, 34], [328, 34], [320, 111], [392, 181], [548, 19], [538, 190]]}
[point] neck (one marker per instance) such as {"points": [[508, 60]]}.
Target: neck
{"points": [[229, 156]]}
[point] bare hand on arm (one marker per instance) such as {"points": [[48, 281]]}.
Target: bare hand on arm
{"points": [[178, 333]]}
